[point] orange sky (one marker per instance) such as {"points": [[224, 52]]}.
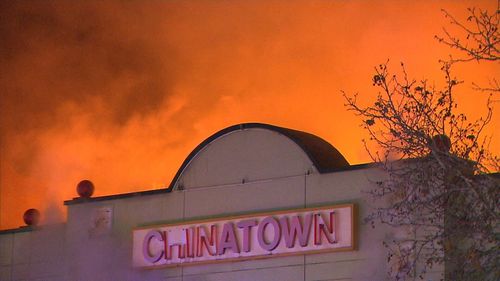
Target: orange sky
{"points": [[120, 93]]}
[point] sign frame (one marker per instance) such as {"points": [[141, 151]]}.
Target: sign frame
{"points": [[354, 235]]}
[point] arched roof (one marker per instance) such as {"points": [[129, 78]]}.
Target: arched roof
{"points": [[321, 153]]}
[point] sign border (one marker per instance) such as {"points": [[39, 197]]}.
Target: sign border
{"points": [[354, 228]]}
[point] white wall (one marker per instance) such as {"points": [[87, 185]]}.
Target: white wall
{"points": [[249, 155], [33, 255], [278, 175], [108, 257]]}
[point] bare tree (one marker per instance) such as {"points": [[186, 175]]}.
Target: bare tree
{"points": [[477, 39], [439, 186], [442, 191]]}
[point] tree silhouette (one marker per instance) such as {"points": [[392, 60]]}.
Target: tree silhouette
{"points": [[477, 40], [441, 192]]}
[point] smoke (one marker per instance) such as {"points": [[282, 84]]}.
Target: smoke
{"points": [[65, 61], [77, 79], [120, 92]]}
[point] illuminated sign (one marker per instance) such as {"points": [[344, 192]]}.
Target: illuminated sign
{"points": [[245, 237]]}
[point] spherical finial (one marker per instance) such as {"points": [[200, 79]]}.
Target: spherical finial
{"points": [[441, 143], [31, 217], [85, 189]]}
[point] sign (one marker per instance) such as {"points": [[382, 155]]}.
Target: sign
{"points": [[245, 237], [100, 221]]}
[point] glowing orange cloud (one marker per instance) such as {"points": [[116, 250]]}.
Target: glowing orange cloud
{"points": [[120, 93]]}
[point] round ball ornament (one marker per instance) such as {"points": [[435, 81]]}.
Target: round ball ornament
{"points": [[85, 189], [31, 217]]}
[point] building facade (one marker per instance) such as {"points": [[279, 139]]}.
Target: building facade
{"points": [[252, 202]]}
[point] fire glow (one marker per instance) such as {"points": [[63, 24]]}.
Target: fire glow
{"points": [[260, 235], [96, 88]]}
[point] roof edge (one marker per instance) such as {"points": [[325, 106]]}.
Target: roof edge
{"points": [[77, 200], [304, 140], [16, 230]]}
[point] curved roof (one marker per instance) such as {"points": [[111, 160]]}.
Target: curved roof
{"points": [[321, 153]]}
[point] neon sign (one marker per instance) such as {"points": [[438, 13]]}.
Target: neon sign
{"points": [[245, 237]]}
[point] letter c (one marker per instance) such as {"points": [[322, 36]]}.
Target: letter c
{"points": [[152, 258]]}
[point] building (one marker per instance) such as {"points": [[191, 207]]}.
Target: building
{"points": [[251, 202]]}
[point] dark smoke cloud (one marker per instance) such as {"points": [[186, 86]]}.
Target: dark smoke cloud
{"points": [[65, 61], [58, 53]]}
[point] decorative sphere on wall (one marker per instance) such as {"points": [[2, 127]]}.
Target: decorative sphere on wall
{"points": [[85, 189], [31, 217]]}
